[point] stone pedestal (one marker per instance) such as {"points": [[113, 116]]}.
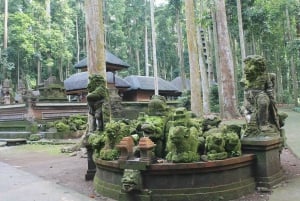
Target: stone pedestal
{"points": [[267, 169], [126, 148], [146, 147], [90, 173]]}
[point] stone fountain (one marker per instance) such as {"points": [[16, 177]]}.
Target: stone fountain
{"points": [[170, 155]]}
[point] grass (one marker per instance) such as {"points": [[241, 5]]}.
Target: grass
{"points": [[38, 148]]}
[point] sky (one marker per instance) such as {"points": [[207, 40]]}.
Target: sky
{"points": [[159, 2]]}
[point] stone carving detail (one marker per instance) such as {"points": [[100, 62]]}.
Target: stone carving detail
{"points": [[131, 180]]}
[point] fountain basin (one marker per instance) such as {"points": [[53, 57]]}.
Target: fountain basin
{"points": [[214, 180]]}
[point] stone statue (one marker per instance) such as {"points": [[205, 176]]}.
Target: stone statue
{"points": [[260, 110], [182, 145], [131, 180], [215, 147], [97, 95]]}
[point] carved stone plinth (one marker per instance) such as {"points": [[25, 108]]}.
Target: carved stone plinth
{"points": [[146, 147], [126, 148], [267, 169]]}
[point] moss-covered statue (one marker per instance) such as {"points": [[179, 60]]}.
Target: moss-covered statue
{"points": [[260, 110], [97, 95], [222, 142], [215, 147], [182, 145]]}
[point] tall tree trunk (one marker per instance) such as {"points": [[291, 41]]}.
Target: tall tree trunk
{"points": [[61, 72], [146, 53], [241, 33], [77, 40], [217, 61], [48, 12], [95, 37], [146, 43], [5, 34], [153, 33], [292, 63], [210, 48], [180, 49], [203, 71], [38, 82], [137, 54], [227, 67], [196, 101]]}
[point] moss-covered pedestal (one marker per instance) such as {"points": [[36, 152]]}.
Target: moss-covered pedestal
{"points": [[200, 181], [268, 171]]}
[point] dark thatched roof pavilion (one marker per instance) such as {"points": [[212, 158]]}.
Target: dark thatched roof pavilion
{"points": [[113, 63], [142, 88]]}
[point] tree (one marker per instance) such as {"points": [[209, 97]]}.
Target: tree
{"points": [[153, 34], [177, 5], [95, 37], [196, 101], [226, 61], [241, 32]]}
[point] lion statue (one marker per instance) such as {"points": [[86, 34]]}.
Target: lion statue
{"points": [[232, 144], [215, 147], [182, 145]]}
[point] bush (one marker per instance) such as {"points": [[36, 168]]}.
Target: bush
{"points": [[62, 127]]}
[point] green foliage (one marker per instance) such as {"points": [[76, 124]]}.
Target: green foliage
{"points": [[287, 97], [109, 154], [73, 123], [34, 137], [62, 127], [97, 141], [185, 99], [214, 99], [33, 128]]}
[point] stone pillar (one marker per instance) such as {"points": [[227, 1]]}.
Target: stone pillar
{"points": [[91, 171], [268, 171]]}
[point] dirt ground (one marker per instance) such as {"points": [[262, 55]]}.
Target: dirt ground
{"points": [[47, 162]]}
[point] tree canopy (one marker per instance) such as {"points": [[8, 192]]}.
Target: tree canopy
{"points": [[49, 37]]}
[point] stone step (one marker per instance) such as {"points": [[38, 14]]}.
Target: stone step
{"points": [[13, 142], [14, 134]]}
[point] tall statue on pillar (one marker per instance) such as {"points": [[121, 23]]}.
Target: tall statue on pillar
{"points": [[260, 109]]}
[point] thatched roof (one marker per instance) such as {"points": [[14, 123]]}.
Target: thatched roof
{"points": [[147, 83], [79, 81], [110, 59], [177, 82]]}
